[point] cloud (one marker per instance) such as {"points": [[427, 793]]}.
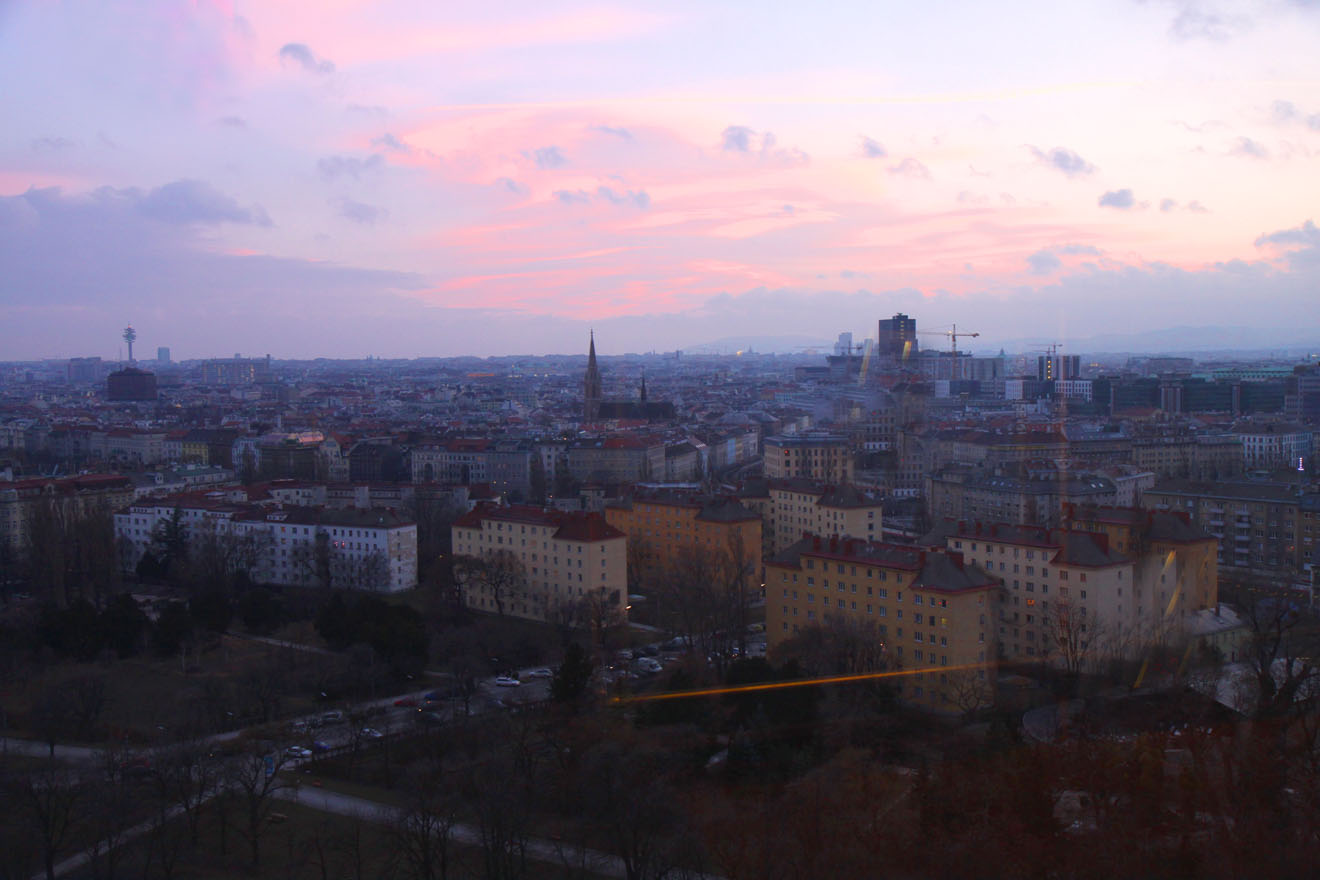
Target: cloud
{"points": [[74, 261], [299, 54], [573, 197], [1283, 111], [911, 169], [1062, 159], [639, 198], [192, 201], [549, 157], [741, 139], [612, 131], [1306, 235], [873, 149], [392, 143], [1196, 24], [737, 138], [1118, 198], [232, 122], [1167, 205], [1249, 149], [1044, 262], [361, 213], [52, 144], [967, 197], [512, 186], [334, 167], [1197, 208]]}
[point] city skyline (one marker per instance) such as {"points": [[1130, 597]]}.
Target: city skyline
{"points": [[406, 181]]}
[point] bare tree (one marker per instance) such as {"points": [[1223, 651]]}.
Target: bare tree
{"points": [[422, 827], [498, 576], [52, 809], [255, 780], [705, 592]]}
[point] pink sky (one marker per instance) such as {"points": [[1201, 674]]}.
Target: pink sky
{"points": [[562, 165]]}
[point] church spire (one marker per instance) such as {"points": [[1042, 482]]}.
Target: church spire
{"points": [[591, 385], [643, 387]]}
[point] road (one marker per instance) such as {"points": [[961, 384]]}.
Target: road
{"points": [[539, 849]]}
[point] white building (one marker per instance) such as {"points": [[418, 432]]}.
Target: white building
{"points": [[293, 546]]}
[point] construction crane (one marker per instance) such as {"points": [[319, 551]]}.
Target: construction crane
{"points": [[952, 335]]}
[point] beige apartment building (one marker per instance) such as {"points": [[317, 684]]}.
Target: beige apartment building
{"points": [[664, 525], [21, 499], [549, 563], [932, 608], [1112, 584], [790, 508], [814, 455]]}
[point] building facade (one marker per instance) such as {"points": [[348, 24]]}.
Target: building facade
{"points": [[550, 564]]}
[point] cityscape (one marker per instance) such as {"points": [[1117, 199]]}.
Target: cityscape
{"points": [[444, 443]]}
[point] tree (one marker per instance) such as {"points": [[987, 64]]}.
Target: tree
{"points": [[255, 780], [422, 827], [704, 593], [51, 803], [496, 576], [573, 675]]}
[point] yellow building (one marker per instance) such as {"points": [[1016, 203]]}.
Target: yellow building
{"points": [[1073, 598], [934, 611], [545, 564], [664, 525], [790, 508]]}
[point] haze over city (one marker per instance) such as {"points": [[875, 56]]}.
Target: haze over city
{"points": [[411, 179]]}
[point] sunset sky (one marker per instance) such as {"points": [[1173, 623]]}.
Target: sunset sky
{"points": [[346, 178]]}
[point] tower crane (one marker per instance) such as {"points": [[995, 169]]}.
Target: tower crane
{"points": [[952, 335]]}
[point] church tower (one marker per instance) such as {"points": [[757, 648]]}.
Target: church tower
{"points": [[591, 388]]}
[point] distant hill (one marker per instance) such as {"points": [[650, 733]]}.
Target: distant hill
{"points": [[762, 345], [1182, 340]]}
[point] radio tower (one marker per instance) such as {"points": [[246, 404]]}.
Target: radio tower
{"points": [[129, 335]]}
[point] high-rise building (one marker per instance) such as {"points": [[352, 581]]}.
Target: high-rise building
{"points": [[1058, 366], [163, 354], [897, 339]]}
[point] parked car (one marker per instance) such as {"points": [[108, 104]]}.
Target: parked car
{"points": [[320, 745], [297, 752], [298, 726], [507, 681], [333, 717], [543, 672], [406, 701], [372, 733]]}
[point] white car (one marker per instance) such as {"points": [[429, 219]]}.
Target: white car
{"points": [[543, 672], [507, 681], [297, 752], [372, 733]]}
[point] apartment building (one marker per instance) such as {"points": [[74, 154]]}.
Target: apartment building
{"points": [[1073, 598], [20, 500], [1260, 526], [664, 525], [372, 550], [933, 610], [1025, 494], [790, 508], [552, 561], [814, 455]]}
